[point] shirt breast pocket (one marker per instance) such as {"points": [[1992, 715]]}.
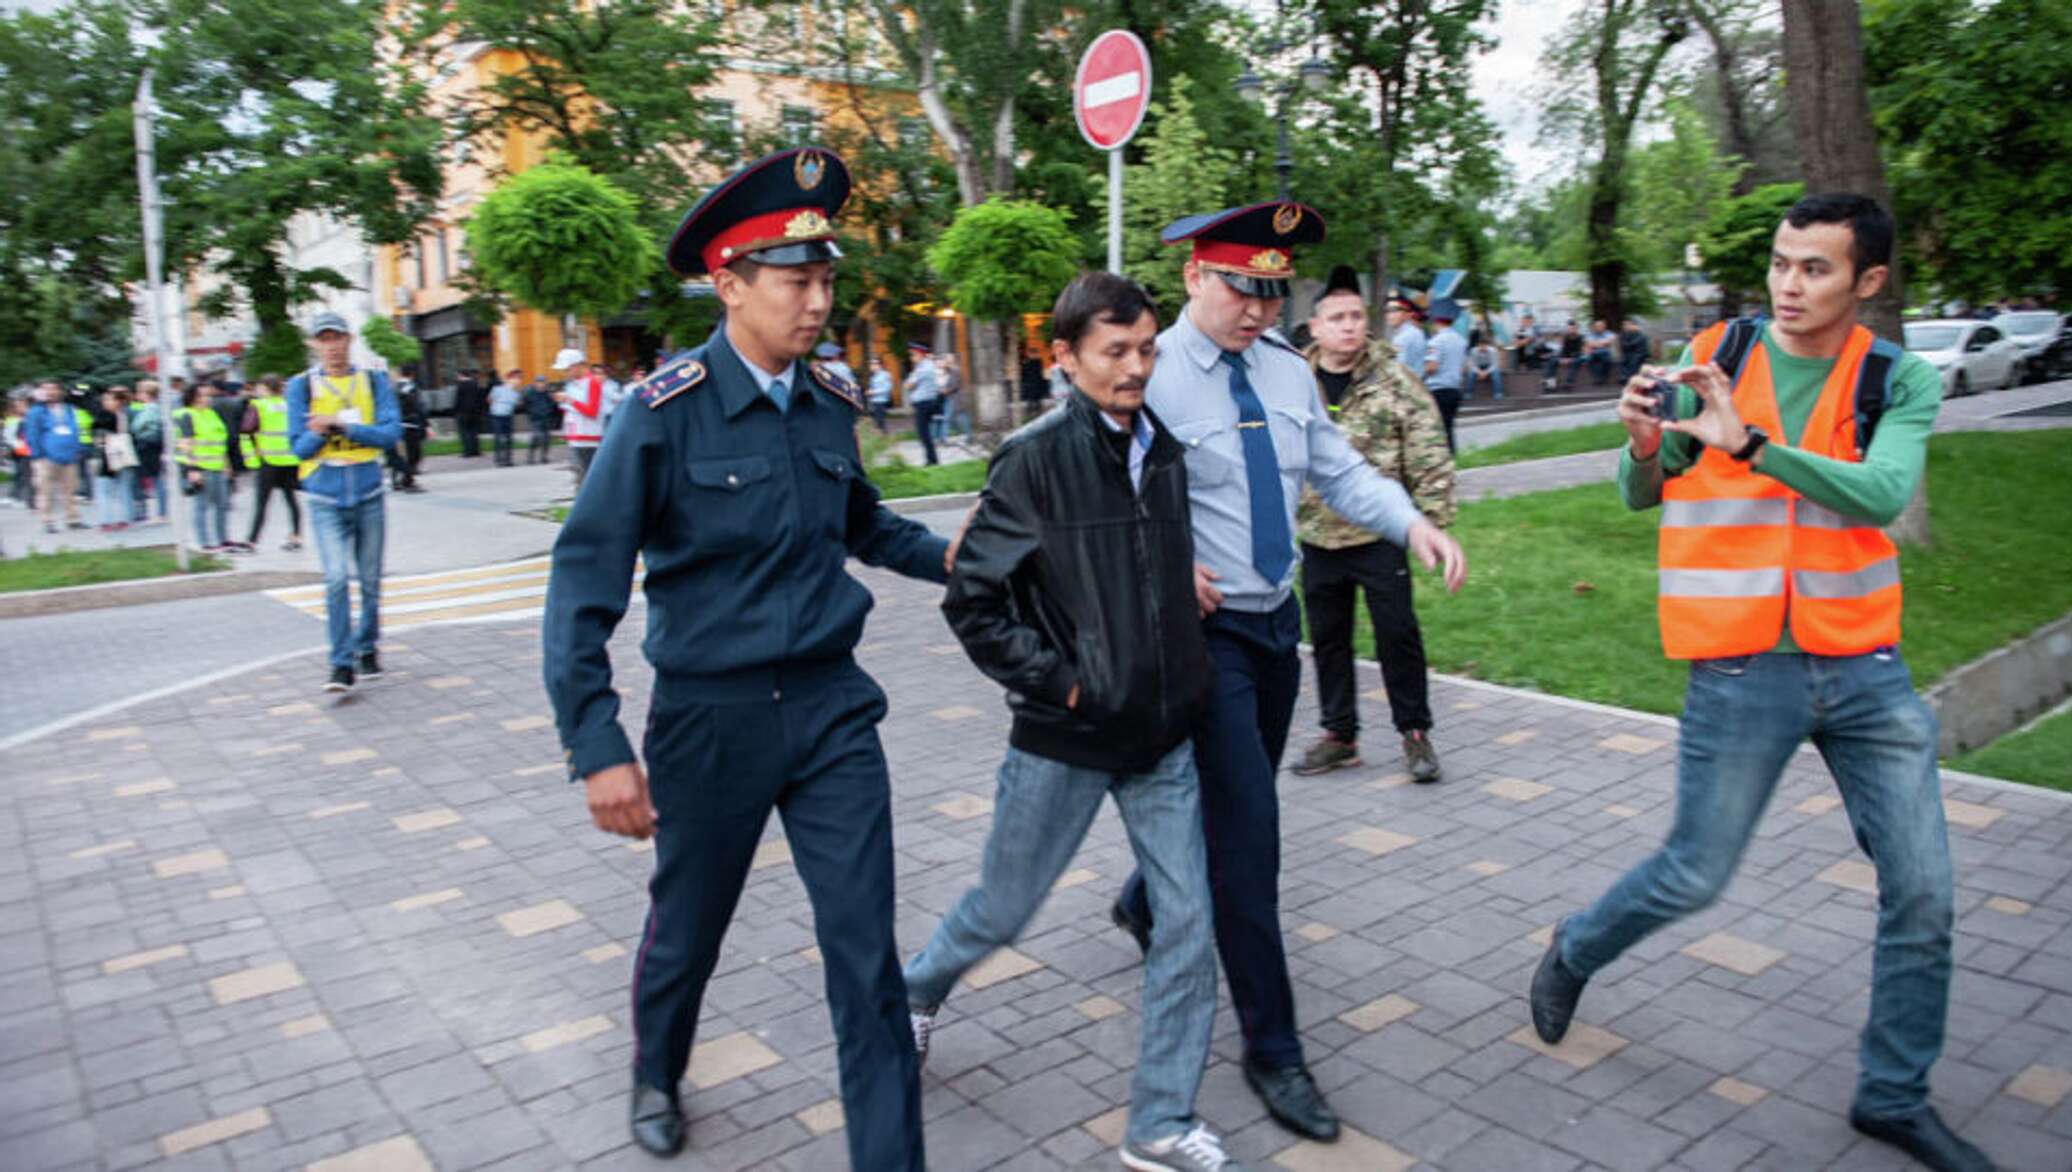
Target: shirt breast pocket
{"points": [[834, 477], [731, 503], [1290, 428], [1208, 465]]}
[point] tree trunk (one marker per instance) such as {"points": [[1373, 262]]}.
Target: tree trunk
{"points": [[989, 411], [1381, 272], [1838, 150], [1607, 268], [1726, 65]]}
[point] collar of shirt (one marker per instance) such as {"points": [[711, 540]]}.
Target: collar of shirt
{"points": [[1140, 445], [1202, 350], [734, 394]]}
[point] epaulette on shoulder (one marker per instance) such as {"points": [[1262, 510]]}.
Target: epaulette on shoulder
{"points": [[1274, 338], [670, 381], [841, 388]]}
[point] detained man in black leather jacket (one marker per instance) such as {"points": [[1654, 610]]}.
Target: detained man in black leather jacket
{"points": [[1074, 588]]}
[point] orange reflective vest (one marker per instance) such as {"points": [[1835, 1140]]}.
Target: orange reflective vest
{"points": [[1740, 552]]}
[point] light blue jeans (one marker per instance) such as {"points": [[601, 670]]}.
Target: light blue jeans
{"points": [[349, 544], [112, 497], [1041, 812], [1742, 720], [212, 509]]}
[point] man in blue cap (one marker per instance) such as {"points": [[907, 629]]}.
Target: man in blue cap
{"points": [[733, 475], [1244, 405]]}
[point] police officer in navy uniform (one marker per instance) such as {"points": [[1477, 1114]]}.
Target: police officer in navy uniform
{"points": [[735, 477], [1244, 404]]}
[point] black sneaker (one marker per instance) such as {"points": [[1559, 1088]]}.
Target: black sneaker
{"points": [[341, 680], [370, 667]]}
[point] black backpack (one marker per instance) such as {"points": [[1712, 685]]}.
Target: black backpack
{"points": [[1873, 379]]}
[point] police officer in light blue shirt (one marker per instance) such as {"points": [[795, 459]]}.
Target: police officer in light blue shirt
{"points": [[1244, 404], [1406, 333], [1445, 364]]}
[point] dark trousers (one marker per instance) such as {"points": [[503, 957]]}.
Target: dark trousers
{"points": [[1330, 580], [284, 479], [878, 416], [500, 428], [1237, 750], [1448, 399], [470, 427], [924, 422], [718, 763], [537, 450]]}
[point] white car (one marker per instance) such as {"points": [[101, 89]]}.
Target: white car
{"points": [[2033, 330], [1971, 355]]}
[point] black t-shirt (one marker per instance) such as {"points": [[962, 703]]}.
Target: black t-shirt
{"points": [[1571, 345], [1335, 383]]}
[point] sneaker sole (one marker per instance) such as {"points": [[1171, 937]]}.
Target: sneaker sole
{"points": [[338, 687], [1148, 1164], [1312, 771]]}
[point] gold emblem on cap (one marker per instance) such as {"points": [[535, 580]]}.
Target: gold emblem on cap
{"points": [[1286, 217], [1270, 260], [807, 223], [808, 168]]}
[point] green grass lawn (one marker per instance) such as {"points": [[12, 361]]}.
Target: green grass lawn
{"points": [[1541, 445], [2042, 755], [45, 571], [896, 481], [1561, 589]]}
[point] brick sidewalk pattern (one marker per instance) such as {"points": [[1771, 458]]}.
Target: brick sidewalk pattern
{"points": [[248, 928]]}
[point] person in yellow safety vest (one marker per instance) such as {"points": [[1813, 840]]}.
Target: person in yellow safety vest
{"points": [[84, 420], [341, 419], [203, 449], [269, 451], [1775, 461]]}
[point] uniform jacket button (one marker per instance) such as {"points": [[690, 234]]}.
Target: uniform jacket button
{"points": [[733, 481]]}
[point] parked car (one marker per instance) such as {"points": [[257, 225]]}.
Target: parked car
{"points": [[1971, 355], [2041, 334]]}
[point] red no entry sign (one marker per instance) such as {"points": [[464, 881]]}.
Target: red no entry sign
{"points": [[1113, 89]]}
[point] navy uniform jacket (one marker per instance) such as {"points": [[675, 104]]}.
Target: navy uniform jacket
{"points": [[744, 517]]}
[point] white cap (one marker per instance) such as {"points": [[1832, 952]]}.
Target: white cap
{"points": [[569, 357]]}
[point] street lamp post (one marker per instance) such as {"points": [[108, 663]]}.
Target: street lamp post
{"points": [[1311, 77]]}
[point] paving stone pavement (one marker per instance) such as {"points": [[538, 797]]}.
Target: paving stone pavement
{"points": [[245, 929]]}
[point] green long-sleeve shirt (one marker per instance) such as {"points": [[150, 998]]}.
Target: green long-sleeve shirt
{"points": [[1877, 487]]}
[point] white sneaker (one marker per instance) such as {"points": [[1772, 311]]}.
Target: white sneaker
{"points": [[924, 1028], [1196, 1151]]}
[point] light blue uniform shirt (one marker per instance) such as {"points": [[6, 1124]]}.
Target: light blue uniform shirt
{"points": [[767, 382], [1449, 350], [1190, 392], [1409, 341]]}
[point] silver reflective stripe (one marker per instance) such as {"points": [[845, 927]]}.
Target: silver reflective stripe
{"points": [[1812, 516], [1846, 583], [1723, 511], [1721, 583]]}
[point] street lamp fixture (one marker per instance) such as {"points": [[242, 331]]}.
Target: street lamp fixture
{"points": [[1315, 75], [1250, 87]]}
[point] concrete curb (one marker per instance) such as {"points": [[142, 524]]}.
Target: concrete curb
{"points": [[2003, 689], [138, 591]]}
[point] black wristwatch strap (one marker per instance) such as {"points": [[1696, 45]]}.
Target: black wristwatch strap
{"points": [[1756, 440]]}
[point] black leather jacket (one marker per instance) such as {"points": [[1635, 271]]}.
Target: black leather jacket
{"points": [[1067, 577]]}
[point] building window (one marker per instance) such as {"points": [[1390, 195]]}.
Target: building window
{"points": [[719, 115], [798, 125], [421, 282], [445, 260]]}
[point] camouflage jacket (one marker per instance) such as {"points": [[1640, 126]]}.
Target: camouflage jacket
{"points": [[1389, 416]]}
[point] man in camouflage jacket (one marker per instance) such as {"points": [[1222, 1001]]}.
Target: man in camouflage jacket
{"points": [[1390, 417]]}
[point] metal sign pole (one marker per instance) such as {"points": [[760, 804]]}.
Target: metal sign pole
{"points": [[1115, 211], [154, 260]]}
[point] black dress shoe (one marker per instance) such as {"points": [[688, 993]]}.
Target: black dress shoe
{"points": [[1924, 1136], [1138, 929], [1555, 991], [1292, 1098], [657, 1121]]}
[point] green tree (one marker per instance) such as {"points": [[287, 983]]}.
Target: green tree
{"points": [[1005, 257], [560, 240], [396, 348], [1608, 61], [1183, 172], [1736, 244], [1969, 102], [1679, 182], [615, 86]]}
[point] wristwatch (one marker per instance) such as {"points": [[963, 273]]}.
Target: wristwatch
{"points": [[1756, 440]]}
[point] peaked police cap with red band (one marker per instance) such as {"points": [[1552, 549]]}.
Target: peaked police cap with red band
{"points": [[780, 210], [1250, 247]]}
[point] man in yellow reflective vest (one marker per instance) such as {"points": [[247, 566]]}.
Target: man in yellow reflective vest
{"points": [[268, 450], [1786, 445], [341, 421]]}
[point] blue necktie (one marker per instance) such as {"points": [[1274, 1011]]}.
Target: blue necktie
{"points": [[1272, 549], [779, 394]]}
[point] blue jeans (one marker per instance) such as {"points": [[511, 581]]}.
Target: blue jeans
{"points": [[1743, 718], [112, 497], [1041, 813], [349, 544], [1496, 382], [212, 509]]}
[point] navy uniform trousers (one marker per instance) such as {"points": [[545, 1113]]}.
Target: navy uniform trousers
{"points": [[803, 740], [1238, 741]]}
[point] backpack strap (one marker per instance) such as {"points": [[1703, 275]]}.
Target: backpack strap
{"points": [[1874, 389], [1742, 335]]}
